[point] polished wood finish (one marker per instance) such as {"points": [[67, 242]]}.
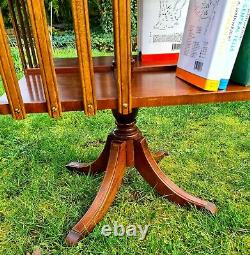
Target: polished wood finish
{"points": [[151, 172], [44, 52], [106, 195], [126, 147], [123, 54], [151, 86], [100, 164], [7, 71], [83, 43], [71, 65]]}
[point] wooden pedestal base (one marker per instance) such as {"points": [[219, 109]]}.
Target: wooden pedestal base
{"points": [[126, 147]]}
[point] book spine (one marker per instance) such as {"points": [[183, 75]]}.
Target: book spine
{"points": [[217, 66], [241, 71], [235, 37]]}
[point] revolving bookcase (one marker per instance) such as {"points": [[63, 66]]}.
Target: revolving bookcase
{"points": [[119, 83]]}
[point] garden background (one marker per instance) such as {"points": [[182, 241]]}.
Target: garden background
{"points": [[209, 149]]}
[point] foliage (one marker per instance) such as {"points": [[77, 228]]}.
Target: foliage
{"points": [[3, 4], [4, 7], [66, 39], [102, 42], [105, 8], [100, 13], [17, 61]]}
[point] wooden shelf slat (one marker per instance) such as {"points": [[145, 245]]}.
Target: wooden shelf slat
{"points": [[8, 74], [83, 44], [123, 54], [158, 87], [43, 45]]}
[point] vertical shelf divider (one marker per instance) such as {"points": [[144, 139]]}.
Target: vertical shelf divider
{"points": [[123, 53], [83, 43], [7, 71], [44, 52]]}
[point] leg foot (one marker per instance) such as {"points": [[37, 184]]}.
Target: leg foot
{"points": [[107, 192], [73, 238], [159, 155], [148, 168], [95, 167]]}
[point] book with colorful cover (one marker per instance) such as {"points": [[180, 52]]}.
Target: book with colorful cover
{"points": [[161, 26], [241, 70], [206, 40], [237, 31]]}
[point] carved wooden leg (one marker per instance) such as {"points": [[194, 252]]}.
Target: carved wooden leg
{"points": [[106, 194], [148, 168], [126, 147], [98, 166]]}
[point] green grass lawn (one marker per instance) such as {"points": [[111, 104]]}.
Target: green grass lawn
{"points": [[210, 157]]}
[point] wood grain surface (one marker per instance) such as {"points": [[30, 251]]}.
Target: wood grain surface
{"points": [[157, 86]]}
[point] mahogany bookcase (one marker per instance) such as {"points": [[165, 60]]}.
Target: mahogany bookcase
{"points": [[119, 83]]}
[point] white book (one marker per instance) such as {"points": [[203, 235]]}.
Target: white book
{"points": [[161, 26], [237, 31], [206, 38]]}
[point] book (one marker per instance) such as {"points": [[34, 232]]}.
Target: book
{"points": [[161, 26], [209, 32], [237, 31], [241, 70]]}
